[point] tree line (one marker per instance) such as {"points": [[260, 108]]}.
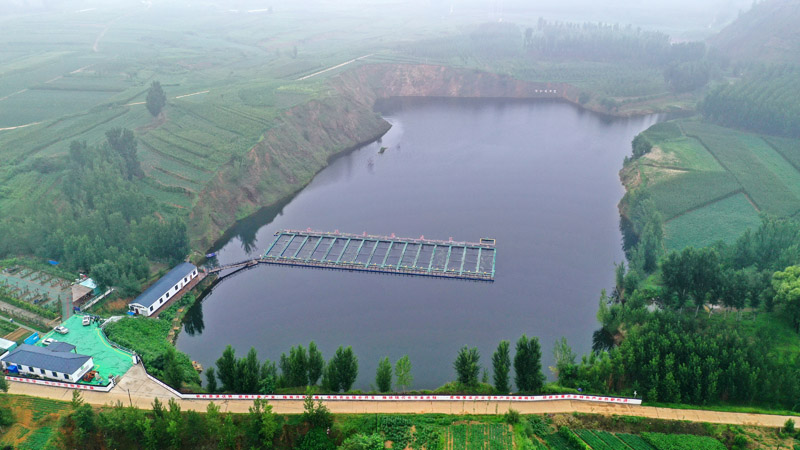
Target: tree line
{"points": [[168, 427], [306, 367], [672, 357], [97, 219], [301, 368], [686, 66]]}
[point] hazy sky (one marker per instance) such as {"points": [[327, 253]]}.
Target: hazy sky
{"points": [[664, 14]]}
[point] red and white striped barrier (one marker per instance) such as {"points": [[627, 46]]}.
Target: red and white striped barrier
{"points": [[426, 398], [85, 387], [370, 398]]}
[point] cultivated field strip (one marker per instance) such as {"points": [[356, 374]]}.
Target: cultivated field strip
{"points": [[769, 192]]}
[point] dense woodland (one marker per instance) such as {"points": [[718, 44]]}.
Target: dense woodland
{"points": [[766, 99], [708, 325], [100, 221]]}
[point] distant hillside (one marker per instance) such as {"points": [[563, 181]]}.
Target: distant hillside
{"points": [[767, 33]]}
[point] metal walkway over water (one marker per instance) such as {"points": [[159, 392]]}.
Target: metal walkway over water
{"points": [[388, 254]]}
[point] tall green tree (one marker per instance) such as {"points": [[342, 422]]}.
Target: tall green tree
{"points": [[248, 373], [315, 363], [402, 370], [294, 368], [173, 373], [316, 413], [501, 365], [467, 366], [226, 369], [787, 293], [342, 370], [528, 365], [156, 98], [262, 425], [565, 368], [705, 277], [268, 381], [211, 379], [383, 376], [123, 142]]}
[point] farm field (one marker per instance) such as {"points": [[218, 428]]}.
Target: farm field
{"points": [[36, 422], [724, 220], [711, 183], [73, 75], [478, 437], [768, 181], [682, 442]]}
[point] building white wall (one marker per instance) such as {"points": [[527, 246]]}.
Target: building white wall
{"points": [[165, 296], [43, 373]]}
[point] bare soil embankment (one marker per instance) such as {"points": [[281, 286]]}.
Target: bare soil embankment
{"points": [[307, 136]]}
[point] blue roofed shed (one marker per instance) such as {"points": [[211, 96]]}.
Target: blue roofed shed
{"points": [[55, 363], [164, 289]]}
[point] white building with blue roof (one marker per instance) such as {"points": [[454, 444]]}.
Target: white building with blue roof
{"points": [[56, 362], [163, 290]]}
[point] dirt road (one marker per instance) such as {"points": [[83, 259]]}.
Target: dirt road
{"points": [[135, 388]]}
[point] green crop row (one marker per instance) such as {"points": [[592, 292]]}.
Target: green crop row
{"points": [[690, 190], [161, 194], [788, 148], [634, 442], [168, 178], [682, 442], [736, 153], [556, 442], [38, 439], [208, 112], [724, 220], [663, 131], [593, 441], [479, 437], [611, 440], [167, 152], [7, 327]]}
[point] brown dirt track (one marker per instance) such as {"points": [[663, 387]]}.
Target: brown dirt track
{"points": [[137, 389]]}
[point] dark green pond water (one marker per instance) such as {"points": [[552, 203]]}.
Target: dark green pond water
{"points": [[540, 177]]}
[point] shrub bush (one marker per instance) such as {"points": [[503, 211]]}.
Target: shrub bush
{"points": [[512, 417]]}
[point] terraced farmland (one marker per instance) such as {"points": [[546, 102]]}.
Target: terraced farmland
{"points": [[747, 157], [710, 183]]}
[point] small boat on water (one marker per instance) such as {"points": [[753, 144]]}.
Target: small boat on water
{"points": [[488, 241], [211, 255], [197, 366]]}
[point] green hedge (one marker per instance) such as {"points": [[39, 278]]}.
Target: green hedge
{"points": [[38, 310]]}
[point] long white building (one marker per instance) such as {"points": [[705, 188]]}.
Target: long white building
{"points": [[164, 289]]}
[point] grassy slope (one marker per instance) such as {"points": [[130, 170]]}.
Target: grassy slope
{"points": [[710, 183]]}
